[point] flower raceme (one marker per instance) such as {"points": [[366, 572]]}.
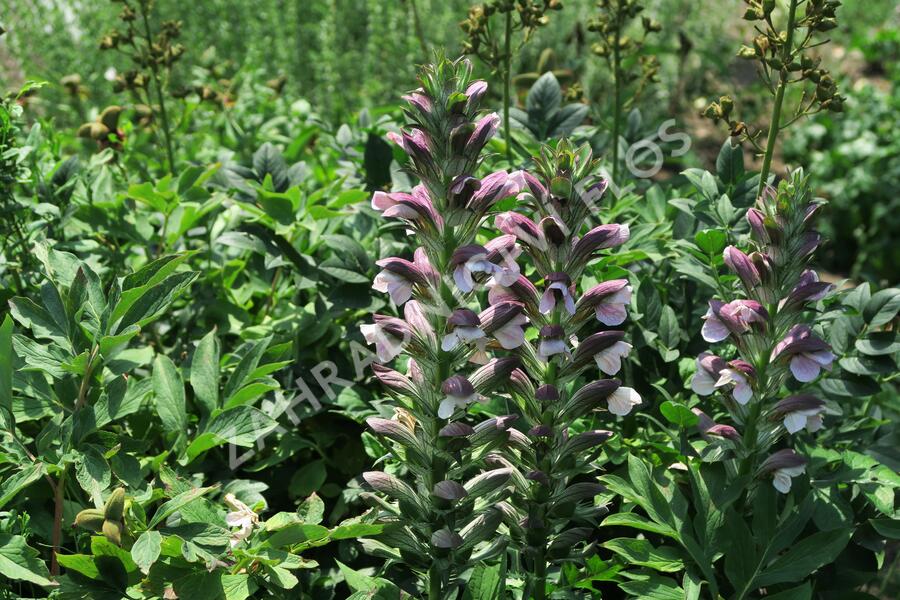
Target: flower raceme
{"points": [[467, 301], [767, 330]]}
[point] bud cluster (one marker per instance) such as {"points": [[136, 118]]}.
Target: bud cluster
{"points": [[530, 15], [475, 328], [785, 58], [768, 329], [611, 23]]}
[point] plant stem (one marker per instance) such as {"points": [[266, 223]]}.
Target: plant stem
{"points": [[159, 95], [617, 113], [775, 125], [507, 76], [420, 33], [56, 535], [434, 583], [540, 576]]}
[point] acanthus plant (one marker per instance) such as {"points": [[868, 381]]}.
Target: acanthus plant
{"points": [[556, 388], [458, 489], [774, 343]]}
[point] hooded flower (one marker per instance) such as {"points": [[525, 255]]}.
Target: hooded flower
{"points": [[598, 238], [503, 252], [559, 288], [241, 516], [468, 260], [484, 130], [525, 230], [459, 393], [808, 289], [552, 341], [609, 299], [388, 334], [742, 266], [464, 326], [494, 187], [504, 322], [521, 290], [622, 400], [709, 366], [397, 278], [736, 317], [806, 353], [783, 465], [797, 412], [416, 207], [738, 374]]}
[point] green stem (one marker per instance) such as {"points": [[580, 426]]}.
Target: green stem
{"points": [[507, 76], [434, 583], [56, 535], [159, 95], [775, 125], [617, 115], [420, 33]]}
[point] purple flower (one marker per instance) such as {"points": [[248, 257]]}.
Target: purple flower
{"points": [[598, 238], [797, 412], [495, 187], [416, 207], [475, 92], [458, 393], [462, 189], [485, 129], [525, 230], [738, 374], [707, 375], [504, 321], [736, 317], [559, 288], [783, 465], [521, 290], [464, 326], [552, 341], [757, 220], [606, 348], [807, 353], [742, 266], [397, 278], [466, 261], [808, 289], [388, 334], [609, 299], [420, 102], [503, 251], [417, 145]]}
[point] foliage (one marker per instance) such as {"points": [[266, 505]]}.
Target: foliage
{"points": [[189, 403]]}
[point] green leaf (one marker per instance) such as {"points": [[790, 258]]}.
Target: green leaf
{"points": [[486, 583], [711, 241], [637, 522], [176, 503], [240, 426], [882, 307], [93, 472], [308, 479], [644, 554], [168, 388], [205, 372], [803, 558], [21, 562], [879, 343], [7, 360], [146, 550], [246, 366], [654, 588], [11, 486], [312, 510], [889, 528], [151, 301], [801, 592], [730, 162], [544, 97], [678, 414]]}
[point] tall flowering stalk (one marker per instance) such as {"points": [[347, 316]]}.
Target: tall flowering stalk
{"points": [[772, 339], [442, 508], [558, 382]]}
